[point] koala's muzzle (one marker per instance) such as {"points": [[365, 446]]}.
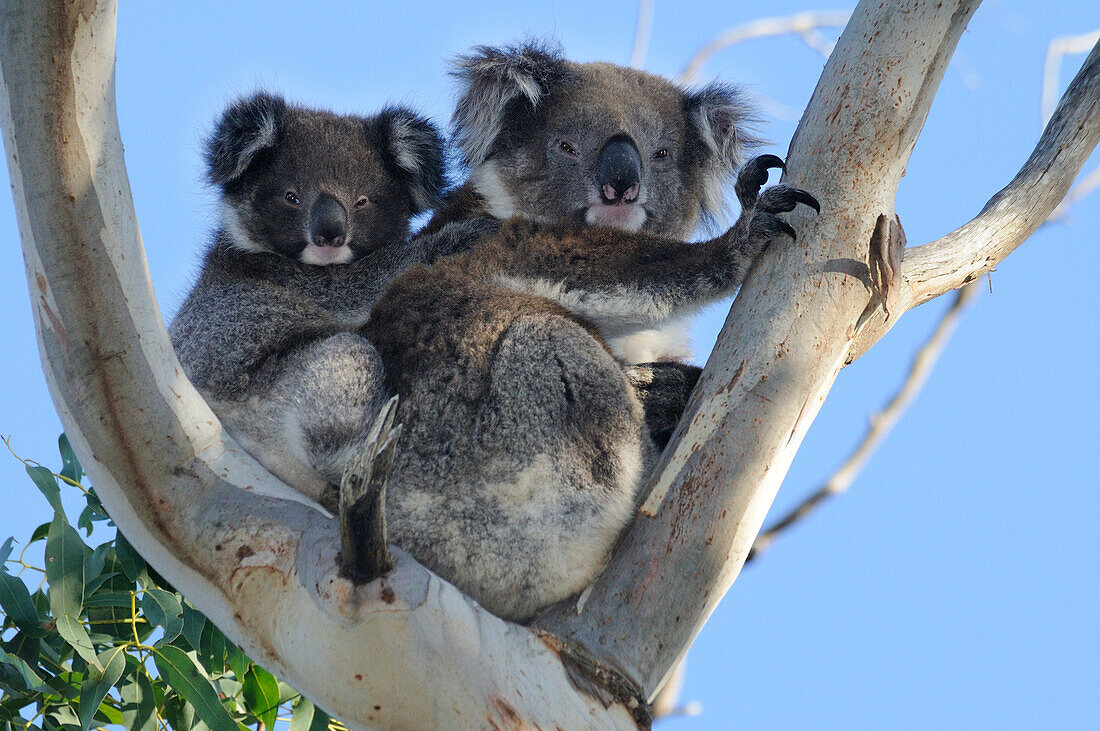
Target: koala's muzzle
{"points": [[328, 222], [619, 171]]}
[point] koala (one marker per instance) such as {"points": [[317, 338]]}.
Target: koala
{"points": [[314, 211], [525, 437], [549, 140]]}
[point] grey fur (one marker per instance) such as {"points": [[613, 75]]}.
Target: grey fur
{"points": [[518, 105], [526, 441], [268, 338]]}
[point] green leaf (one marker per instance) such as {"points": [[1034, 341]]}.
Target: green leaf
{"points": [[307, 717], [138, 703], [94, 584], [16, 602], [261, 695], [237, 660], [98, 683], [30, 679], [65, 568], [120, 599], [193, 624], [47, 484], [39, 533], [6, 550], [184, 677], [212, 649], [133, 565], [77, 636], [93, 564], [28, 647], [163, 609], [70, 464]]}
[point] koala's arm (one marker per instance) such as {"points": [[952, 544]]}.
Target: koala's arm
{"points": [[227, 336], [455, 237], [619, 280]]}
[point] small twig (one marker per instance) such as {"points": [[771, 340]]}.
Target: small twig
{"points": [[804, 25], [642, 33], [364, 550], [881, 424], [1052, 68]]}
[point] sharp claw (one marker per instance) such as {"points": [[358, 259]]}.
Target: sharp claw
{"points": [[786, 228], [770, 161], [803, 197]]}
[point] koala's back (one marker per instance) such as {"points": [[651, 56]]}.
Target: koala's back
{"points": [[521, 449]]}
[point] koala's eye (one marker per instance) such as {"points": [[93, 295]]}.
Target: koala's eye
{"points": [[569, 148], [660, 154], [292, 198], [361, 201]]}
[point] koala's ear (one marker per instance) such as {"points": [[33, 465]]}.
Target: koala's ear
{"points": [[414, 149], [720, 118], [248, 126], [493, 78]]}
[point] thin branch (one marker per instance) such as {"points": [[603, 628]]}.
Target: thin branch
{"points": [[1021, 207], [1059, 48], [805, 25], [642, 33], [881, 424]]}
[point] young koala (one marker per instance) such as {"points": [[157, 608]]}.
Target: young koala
{"points": [[315, 212], [525, 442]]}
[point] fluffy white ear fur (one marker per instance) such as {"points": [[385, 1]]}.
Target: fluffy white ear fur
{"points": [[720, 115], [492, 78]]}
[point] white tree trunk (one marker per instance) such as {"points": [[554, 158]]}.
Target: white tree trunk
{"points": [[410, 651]]}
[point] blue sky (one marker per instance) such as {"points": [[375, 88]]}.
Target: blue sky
{"points": [[956, 585]]}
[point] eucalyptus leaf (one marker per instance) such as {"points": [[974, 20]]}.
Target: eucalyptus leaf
{"points": [[77, 636], [184, 677], [261, 695], [133, 565], [98, 683], [65, 568], [138, 703], [307, 717], [70, 464], [6, 549], [31, 680], [163, 609], [16, 602], [47, 484], [193, 625]]}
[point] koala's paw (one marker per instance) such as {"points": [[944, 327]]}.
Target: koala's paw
{"points": [[760, 223]]}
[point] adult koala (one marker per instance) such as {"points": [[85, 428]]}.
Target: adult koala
{"points": [[525, 441]]}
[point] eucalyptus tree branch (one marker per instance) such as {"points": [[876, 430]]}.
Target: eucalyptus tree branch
{"points": [[1016, 211], [783, 343], [408, 651], [805, 25], [1058, 49]]}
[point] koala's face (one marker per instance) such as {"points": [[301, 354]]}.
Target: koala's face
{"points": [[318, 187], [550, 140]]}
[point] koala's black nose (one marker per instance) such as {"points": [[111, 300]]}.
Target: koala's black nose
{"points": [[328, 222], [619, 171]]}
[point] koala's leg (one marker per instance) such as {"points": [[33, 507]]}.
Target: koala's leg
{"points": [[316, 410], [663, 388], [519, 471]]}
